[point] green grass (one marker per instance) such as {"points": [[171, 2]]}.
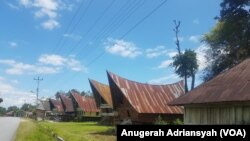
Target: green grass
{"points": [[29, 130], [81, 131], [70, 131]]}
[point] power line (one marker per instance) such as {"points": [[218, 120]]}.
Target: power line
{"points": [[130, 30], [68, 26], [93, 25], [79, 20]]}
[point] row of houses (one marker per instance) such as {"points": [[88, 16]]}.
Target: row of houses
{"points": [[121, 101], [134, 102], [67, 108], [223, 100]]}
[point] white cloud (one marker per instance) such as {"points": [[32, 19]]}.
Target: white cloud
{"points": [[201, 56], [75, 65], [48, 10], [165, 64], [26, 3], [50, 24], [52, 59], [13, 44], [18, 68], [14, 96], [60, 61], [122, 48], [195, 38], [172, 54], [13, 6], [156, 52], [47, 64], [196, 21], [73, 36], [165, 79]]}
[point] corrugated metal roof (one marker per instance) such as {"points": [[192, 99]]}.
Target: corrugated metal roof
{"points": [[86, 103], [146, 98], [46, 105], [230, 86], [101, 90], [57, 104], [43, 105], [67, 102], [40, 106]]}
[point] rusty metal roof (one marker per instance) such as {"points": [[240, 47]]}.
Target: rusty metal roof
{"points": [[86, 103], [102, 90], [230, 86], [57, 104], [146, 98], [67, 103]]}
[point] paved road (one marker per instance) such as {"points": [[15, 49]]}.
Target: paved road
{"points": [[8, 127]]}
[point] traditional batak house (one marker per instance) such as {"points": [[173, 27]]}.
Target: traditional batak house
{"points": [[43, 110], [225, 99], [69, 112], [143, 103], [56, 106], [57, 110], [103, 100], [85, 106]]}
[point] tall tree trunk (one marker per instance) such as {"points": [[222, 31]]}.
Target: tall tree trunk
{"points": [[193, 81], [186, 86]]}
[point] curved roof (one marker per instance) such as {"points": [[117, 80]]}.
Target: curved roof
{"points": [[57, 104], [86, 103], [102, 90], [230, 86], [67, 102], [146, 98]]}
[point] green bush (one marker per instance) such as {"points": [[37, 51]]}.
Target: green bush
{"points": [[160, 121], [178, 122]]}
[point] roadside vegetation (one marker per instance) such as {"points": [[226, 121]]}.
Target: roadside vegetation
{"points": [[30, 130]]}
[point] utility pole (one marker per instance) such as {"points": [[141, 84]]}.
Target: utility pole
{"points": [[38, 79]]}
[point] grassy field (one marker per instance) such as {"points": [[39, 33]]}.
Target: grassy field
{"points": [[29, 130], [69, 131]]}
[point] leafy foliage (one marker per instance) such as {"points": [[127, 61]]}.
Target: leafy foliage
{"points": [[186, 66], [178, 122], [229, 39], [27, 107], [13, 108], [2, 111], [160, 121]]}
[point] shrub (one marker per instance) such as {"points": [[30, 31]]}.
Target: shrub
{"points": [[160, 121]]}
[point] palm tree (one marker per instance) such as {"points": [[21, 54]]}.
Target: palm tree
{"points": [[186, 66]]}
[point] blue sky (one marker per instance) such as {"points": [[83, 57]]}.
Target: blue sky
{"points": [[68, 41]]}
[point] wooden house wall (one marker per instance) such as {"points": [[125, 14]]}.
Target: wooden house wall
{"points": [[151, 118], [217, 114], [126, 111]]}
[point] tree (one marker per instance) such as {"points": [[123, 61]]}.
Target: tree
{"points": [[229, 39], [58, 93], [2, 111], [12, 108], [185, 64], [1, 100], [27, 107]]}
